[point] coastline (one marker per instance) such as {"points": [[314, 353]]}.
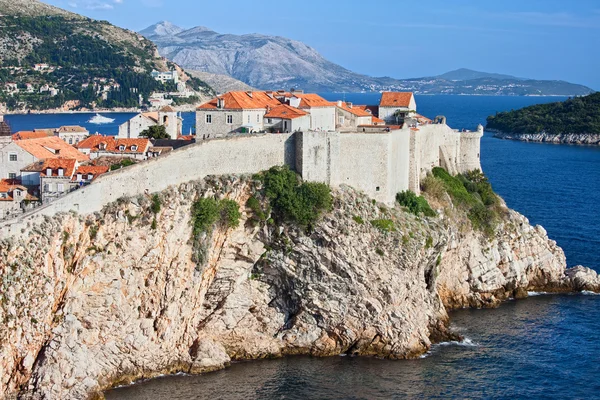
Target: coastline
{"points": [[583, 139], [183, 108]]}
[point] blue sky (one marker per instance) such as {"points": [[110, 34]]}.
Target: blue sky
{"points": [[541, 39]]}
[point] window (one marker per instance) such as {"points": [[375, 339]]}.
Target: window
{"points": [[257, 118], [134, 148], [48, 187], [269, 121], [230, 119], [60, 187], [12, 175], [3, 195], [377, 189], [341, 120], [102, 146], [18, 192], [121, 148], [248, 119], [12, 157], [208, 118], [79, 177], [49, 172], [70, 140], [90, 177], [61, 172]]}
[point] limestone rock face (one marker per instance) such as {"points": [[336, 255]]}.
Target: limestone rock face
{"points": [[563, 138], [93, 301]]}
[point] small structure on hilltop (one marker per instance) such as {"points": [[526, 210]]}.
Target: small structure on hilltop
{"points": [[166, 116]]}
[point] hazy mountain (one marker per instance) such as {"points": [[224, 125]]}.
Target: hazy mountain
{"points": [[220, 83], [274, 62], [464, 74]]}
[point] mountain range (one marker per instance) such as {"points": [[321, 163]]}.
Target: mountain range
{"points": [[274, 62]]}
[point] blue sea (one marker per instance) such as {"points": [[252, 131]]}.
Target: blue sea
{"points": [[546, 346]]}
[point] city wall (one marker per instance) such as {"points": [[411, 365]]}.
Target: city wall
{"points": [[381, 164]]}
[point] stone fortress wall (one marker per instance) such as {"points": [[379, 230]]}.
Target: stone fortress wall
{"points": [[379, 163]]}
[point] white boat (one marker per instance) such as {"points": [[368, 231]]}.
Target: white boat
{"points": [[100, 119]]}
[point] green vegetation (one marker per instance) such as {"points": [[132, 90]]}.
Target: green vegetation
{"points": [[379, 252], [155, 203], [258, 215], [415, 204], [428, 242], [155, 132], [126, 162], [384, 225], [473, 193], [577, 115], [80, 52], [206, 212], [292, 201], [358, 219]]}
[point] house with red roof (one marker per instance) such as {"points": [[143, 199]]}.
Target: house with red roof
{"points": [[14, 198], [350, 117], [395, 106], [55, 177], [21, 153], [285, 119], [108, 146]]}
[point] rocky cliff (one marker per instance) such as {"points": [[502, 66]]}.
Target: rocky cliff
{"points": [[88, 302], [561, 138]]}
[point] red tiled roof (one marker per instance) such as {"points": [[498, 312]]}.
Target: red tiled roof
{"points": [[285, 112], [26, 135], [242, 101], [395, 99], [378, 121], [85, 170], [310, 100], [51, 147], [186, 137], [112, 144], [422, 119], [54, 164], [9, 185], [356, 110], [151, 115], [167, 109]]}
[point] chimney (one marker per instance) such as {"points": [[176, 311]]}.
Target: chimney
{"points": [[220, 103], [339, 103], [349, 104]]}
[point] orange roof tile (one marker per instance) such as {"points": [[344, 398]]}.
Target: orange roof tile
{"points": [[356, 110], [378, 121], [8, 185], [151, 115], [395, 99], [167, 109], [54, 164], [242, 101], [285, 112], [51, 147], [310, 100], [142, 146], [26, 135], [422, 119], [93, 142], [94, 170]]}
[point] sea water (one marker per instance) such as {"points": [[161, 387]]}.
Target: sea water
{"points": [[546, 346]]}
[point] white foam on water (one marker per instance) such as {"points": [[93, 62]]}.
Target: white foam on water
{"points": [[589, 293], [530, 294], [466, 342]]}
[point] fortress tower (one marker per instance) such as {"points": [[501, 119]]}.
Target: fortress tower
{"points": [[470, 150], [167, 116]]}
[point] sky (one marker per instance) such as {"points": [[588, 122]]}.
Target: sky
{"points": [[539, 39]]}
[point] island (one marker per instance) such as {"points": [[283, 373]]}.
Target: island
{"points": [[574, 121]]}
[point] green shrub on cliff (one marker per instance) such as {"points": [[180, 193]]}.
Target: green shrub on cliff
{"points": [[292, 201], [384, 225], [415, 204], [207, 212], [473, 193]]}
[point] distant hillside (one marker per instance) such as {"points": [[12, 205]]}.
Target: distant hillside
{"points": [[220, 83], [464, 74], [274, 62], [580, 115], [80, 61]]}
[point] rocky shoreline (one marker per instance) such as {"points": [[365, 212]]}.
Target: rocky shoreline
{"points": [[563, 138], [90, 302]]}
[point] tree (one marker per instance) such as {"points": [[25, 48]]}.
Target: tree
{"points": [[155, 132]]}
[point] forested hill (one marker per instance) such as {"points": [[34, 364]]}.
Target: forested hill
{"points": [[579, 115], [49, 57]]}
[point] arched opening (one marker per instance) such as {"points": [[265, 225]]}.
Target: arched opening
{"points": [[166, 120]]}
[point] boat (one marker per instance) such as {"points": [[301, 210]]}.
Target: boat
{"points": [[100, 119]]}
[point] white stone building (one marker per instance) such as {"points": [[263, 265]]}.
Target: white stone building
{"points": [[72, 134], [169, 76], [286, 119], [350, 117], [14, 199], [166, 116], [395, 106]]}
